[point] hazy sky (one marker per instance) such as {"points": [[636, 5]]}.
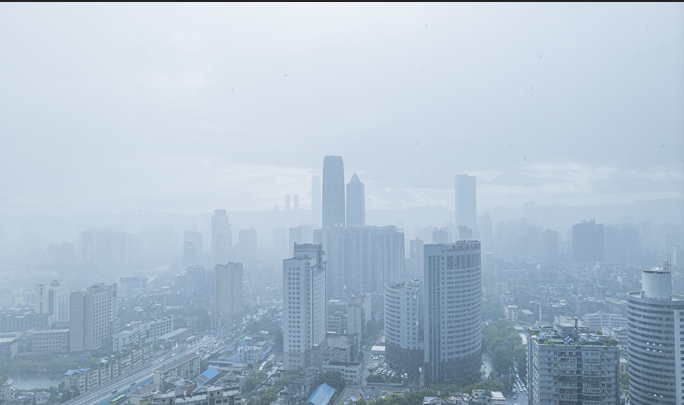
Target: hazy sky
{"points": [[186, 108]]}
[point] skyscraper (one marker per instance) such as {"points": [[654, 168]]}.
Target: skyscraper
{"points": [[466, 205], [588, 243], [192, 248], [452, 311], [221, 237], [416, 262], [228, 292], [363, 259], [247, 245], [304, 304], [316, 199], [654, 332], [356, 202], [92, 317], [333, 192], [403, 326]]}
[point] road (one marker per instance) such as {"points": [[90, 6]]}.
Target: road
{"points": [[144, 374]]}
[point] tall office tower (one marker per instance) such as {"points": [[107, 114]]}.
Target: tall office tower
{"points": [[464, 233], [333, 192], [356, 202], [304, 304], [295, 202], [588, 244], [363, 259], [221, 237], [654, 332], [287, 202], [416, 261], [53, 299], [466, 205], [280, 245], [192, 252], [452, 312], [568, 365], [228, 292], [92, 317], [550, 246], [247, 244], [441, 235], [196, 280], [299, 235], [403, 326], [316, 199]]}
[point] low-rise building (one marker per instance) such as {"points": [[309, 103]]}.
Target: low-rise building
{"points": [[203, 396], [187, 366], [50, 341], [351, 372]]}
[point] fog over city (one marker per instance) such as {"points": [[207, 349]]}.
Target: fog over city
{"points": [[182, 162]]}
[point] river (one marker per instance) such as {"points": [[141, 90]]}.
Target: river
{"points": [[30, 381]]}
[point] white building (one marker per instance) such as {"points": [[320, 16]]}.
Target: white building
{"points": [[655, 328], [351, 372], [92, 317], [403, 325], [228, 292], [600, 320], [53, 299], [512, 313], [452, 294], [142, 331], [568, 365], [304, 304], [7, 390], [50, 341]]}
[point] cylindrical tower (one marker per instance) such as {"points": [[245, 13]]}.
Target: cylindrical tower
{"points": [[655, 328], [452, 294]]}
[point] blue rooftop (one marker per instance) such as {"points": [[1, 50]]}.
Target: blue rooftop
{"points": [[206, 376], [322, 395]]}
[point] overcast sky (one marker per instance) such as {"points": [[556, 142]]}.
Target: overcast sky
{"points": [[186, 108]]}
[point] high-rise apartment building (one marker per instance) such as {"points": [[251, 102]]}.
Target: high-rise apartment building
{"points": [[588, 243], [228, 292], [53, 299], [196, 281], [192, 248], [247, 245], [416, 261], [304, 305], [568, 365], [333, 192], [550, 246], [316, 199], [403, 326], [92, 317], [280, 242], [466, 203], [221, 237], [299, 235], [655, 333], [362, 259], [452, 291], [356, 202]]}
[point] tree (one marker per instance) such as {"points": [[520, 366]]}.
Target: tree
{"points": [[624, 380], [333, 379]]}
